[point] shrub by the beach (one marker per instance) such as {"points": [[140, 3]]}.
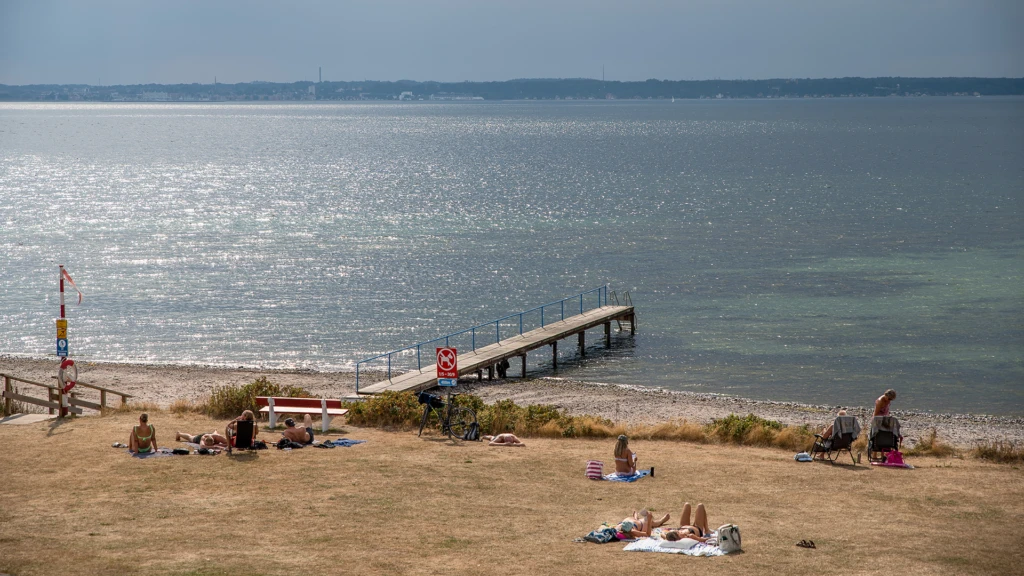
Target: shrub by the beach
{"points": [[392, 410], [736, 429], [501, 417], [930, 445], [230, 401], [999, 451], [181, 407]]}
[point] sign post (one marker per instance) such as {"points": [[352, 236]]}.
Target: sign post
{"points": [[447, 366]]}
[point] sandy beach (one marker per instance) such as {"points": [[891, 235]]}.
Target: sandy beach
{"points": [[634, 404]]}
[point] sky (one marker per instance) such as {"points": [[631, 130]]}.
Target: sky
{"points": [[183, 41]]}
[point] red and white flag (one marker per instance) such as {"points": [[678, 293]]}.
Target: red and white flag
{"points": [[72, 282]]}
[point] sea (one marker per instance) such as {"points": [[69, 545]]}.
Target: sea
{"points": [[816, 250]]}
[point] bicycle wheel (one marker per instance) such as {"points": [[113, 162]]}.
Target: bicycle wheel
{"points": [[423, 422], [459, 420]]}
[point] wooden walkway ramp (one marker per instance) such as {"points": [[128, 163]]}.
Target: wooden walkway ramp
{"points": [[474, 362]]}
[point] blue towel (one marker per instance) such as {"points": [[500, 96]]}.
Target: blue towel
{"points": [[345, 442], [616, 477]]}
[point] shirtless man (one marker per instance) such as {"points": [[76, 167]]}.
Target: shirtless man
{"points": [[882, 404], [207, 440], [302, 435]]}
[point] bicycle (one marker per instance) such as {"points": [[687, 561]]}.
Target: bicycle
{"points": [[454, 420]]}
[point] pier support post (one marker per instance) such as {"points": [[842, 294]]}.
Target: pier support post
{"points": [[490, 372], [632, 324], [554, 355], [583, 343], [607, 334], [479, 375], [524, 365]]}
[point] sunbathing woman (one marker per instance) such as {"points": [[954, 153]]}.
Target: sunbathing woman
{"points": [[207, 440], [503, 440], [625, 459], [639, 525], [696, 531], [143, 437]]}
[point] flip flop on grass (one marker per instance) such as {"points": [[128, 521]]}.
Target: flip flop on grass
{"points": [[806, 544]]}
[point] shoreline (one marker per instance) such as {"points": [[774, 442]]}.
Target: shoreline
{"points": [[632, 404]]}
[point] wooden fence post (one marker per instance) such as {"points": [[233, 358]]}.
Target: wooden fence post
{"points": [[7, 389]]}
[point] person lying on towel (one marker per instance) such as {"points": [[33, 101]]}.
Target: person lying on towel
{"points": [[696, 531], [302, 435], [205, 440], [639, 525]]}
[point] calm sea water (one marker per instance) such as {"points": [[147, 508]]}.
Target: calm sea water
{"points": [[818, 251]]}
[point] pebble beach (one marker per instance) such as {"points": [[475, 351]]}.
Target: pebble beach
{"points": [[163, 384]]}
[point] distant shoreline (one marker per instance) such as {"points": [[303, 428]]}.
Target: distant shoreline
{"points": [[163, 384], [521, 89]]}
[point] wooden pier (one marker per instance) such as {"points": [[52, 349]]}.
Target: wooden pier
{"points": [[487, 358]]}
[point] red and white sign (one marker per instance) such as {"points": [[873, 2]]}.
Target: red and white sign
{"points": [[447, 363]]}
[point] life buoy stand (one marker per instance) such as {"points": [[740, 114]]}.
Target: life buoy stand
{"points": [[67, 375]]}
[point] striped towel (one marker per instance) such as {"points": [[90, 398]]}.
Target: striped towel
{"points": [[595, 469], [653, 545]]}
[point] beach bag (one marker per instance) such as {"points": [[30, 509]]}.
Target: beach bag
{"points": [[595, 470], [729, 538], [894, 458], [601, 536], [472, 433]]}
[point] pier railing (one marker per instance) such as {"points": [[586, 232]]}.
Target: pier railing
{"points": [[492, 332]]}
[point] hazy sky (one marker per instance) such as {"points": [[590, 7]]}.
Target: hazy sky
{"points": [[142, 41]]}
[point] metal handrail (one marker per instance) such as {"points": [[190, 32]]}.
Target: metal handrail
{"points": [[602, 300]]}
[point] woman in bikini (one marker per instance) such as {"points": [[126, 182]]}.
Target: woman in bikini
{"points": [[639, 525], [143, 437], [625, 459], [697, 531]]}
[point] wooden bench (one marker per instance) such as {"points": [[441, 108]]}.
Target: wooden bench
{"points": [[327, 409]]}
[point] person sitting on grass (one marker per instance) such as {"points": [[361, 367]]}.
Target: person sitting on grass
{"points": [[639, 525], [302, 435], [882, 404], [503, 440], [207, 440], [143, 437], [229, 432], [625, 459], [697, 531]]}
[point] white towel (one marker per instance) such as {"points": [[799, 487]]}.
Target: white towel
{"points": [[653, 545]]}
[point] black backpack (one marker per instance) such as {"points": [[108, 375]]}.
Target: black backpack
{"points": [[472, 433]]}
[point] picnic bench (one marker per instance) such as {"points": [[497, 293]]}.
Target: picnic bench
{"points": [[326, 408]]}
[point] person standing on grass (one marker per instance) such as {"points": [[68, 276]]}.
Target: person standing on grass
{"points": [[625, 459], [302, 435], [882, 404], [143, 437]]}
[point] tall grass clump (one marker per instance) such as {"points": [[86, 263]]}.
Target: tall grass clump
{"points": [[930, 445], [181, 407], [999, 451], [230, 401], [19, 407], [392, 410]]}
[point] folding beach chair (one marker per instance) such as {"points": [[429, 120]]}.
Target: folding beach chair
{"points": [[845, 430], [244, 436], [884, 437]]}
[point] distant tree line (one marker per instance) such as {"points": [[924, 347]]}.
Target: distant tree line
{"points": [[524, 89]]}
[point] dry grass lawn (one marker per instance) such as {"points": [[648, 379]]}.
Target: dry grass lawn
{"points": [[71, 504]]}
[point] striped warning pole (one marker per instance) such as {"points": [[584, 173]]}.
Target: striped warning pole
{"points": [[60, 277]]}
